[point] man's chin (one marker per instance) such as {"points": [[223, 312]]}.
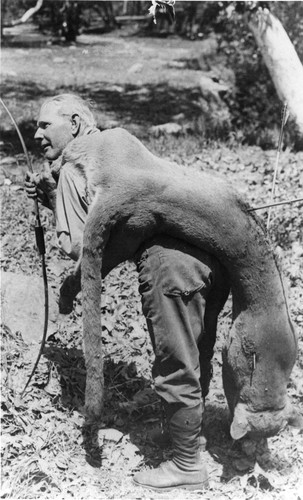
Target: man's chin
{"points": [[50, 155]]}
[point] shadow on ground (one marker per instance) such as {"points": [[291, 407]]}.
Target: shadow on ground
{"points": [[118, 376], [121, 385], [124, 106]]}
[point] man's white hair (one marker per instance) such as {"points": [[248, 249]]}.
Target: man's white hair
{"points": [[70, 104]]}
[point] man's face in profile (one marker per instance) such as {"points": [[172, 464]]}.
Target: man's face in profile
{"points": [[54, 131]]}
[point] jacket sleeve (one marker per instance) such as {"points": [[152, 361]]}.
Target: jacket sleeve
{"points": [[71, 211]]}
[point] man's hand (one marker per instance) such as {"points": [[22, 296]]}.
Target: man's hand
{"points": [[31, 182], [41, 186]]}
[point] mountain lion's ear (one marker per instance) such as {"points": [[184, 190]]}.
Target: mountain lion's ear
{"points": [[240, 425]]}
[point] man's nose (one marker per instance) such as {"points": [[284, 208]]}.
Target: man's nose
{"points": [[38, 135]]}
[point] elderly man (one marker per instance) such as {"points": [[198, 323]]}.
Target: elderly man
{"points": [[182, 290]]}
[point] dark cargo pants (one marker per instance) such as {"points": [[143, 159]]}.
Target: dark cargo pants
{"points": [[182, 289]]}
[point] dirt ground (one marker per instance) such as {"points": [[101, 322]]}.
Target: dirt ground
{"points": [[47, 453]]}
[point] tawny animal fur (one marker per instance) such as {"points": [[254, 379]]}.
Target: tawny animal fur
{"points": [[136, 195]]}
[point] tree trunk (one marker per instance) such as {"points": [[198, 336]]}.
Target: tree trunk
{"points": [[281, 60], [29, 13]]}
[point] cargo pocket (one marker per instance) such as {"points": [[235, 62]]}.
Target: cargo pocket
{"points": [[183, 275]]}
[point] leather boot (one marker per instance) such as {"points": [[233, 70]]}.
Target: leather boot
{"points": [[186, 469]]}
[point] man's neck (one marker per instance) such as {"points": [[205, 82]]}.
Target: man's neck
{"points": [[56, 164], [89, 130]]}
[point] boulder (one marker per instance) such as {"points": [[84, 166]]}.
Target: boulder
{"points": [[22, 306]]}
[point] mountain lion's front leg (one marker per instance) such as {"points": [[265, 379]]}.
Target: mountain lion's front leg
{"points": [[69, 290]]}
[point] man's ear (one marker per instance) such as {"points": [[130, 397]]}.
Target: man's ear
{"points": [[76, 124]]}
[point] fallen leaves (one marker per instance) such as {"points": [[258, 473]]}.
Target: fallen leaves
{"points": [[45, 453]]}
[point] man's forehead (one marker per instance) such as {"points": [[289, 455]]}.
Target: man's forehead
{"points": [[49, 112]]}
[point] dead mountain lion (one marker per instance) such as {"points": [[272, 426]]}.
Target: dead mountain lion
{"points": [[134, 196]]}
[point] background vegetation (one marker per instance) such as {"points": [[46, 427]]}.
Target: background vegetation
{"points": [[251, 100]]}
